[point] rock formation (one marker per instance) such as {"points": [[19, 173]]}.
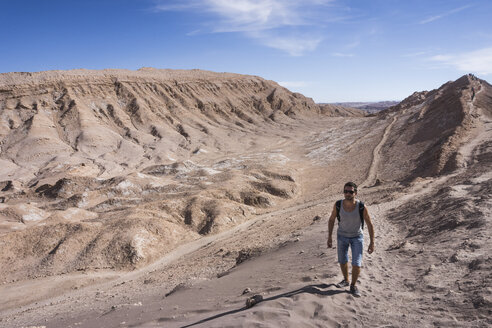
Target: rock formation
{"points": [[430, 127], [103, 164]]}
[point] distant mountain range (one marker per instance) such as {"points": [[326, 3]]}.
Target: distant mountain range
{"points": [[370, 107]]}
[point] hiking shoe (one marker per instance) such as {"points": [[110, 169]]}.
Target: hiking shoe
{"points": [[343, 283], [354, 291]]}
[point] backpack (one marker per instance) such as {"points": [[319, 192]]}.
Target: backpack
{"points": [[361, 211]]}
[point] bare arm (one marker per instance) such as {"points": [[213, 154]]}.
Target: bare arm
{"points": [[331, 224], [370, 227]]}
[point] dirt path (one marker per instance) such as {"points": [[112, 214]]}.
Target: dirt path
{"points": [[376, 154], [297, 280]]}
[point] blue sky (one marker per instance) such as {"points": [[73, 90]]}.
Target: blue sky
{"points": [[329, 50]]}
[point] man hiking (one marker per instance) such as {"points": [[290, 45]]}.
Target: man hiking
{"points": [[351, 214]]}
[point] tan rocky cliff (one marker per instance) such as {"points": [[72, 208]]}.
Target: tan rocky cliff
{"points": [[114, 119]]}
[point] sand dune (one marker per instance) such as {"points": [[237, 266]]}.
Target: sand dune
{"points": [[156, 198]]}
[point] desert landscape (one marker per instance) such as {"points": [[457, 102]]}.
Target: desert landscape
{"points": [[167, 198]]}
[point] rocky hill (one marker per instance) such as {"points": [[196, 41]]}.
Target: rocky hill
{"points": [[428, 128], [109, 169]]}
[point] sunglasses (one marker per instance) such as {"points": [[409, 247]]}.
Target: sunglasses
{"points": [[348, 191]]}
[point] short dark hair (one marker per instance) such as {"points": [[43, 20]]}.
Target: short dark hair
{"points": [[350, 184]]}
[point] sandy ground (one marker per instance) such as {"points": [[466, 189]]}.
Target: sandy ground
{"points": [[431, 266]]}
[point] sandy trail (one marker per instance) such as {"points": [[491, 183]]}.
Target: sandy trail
{"points": [[306, 296], [376, 157]]}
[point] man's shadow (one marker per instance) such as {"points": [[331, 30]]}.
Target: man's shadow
{"points": [[320, 289]]}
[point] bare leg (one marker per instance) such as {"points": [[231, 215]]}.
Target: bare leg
{"points": [[355, 274], [344, 268]]}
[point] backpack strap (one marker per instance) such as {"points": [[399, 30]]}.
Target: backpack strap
{"points": [[361, 213], [338, 204]]}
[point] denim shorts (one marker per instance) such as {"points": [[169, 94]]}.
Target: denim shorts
{"points": [[357, 246]]}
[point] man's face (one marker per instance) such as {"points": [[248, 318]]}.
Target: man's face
{"points": [[349, 193]]}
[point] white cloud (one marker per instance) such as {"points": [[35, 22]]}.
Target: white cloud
{"points": [[478, 61], [294, 45], [259, 19], [442, 15], [250, 15]]}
